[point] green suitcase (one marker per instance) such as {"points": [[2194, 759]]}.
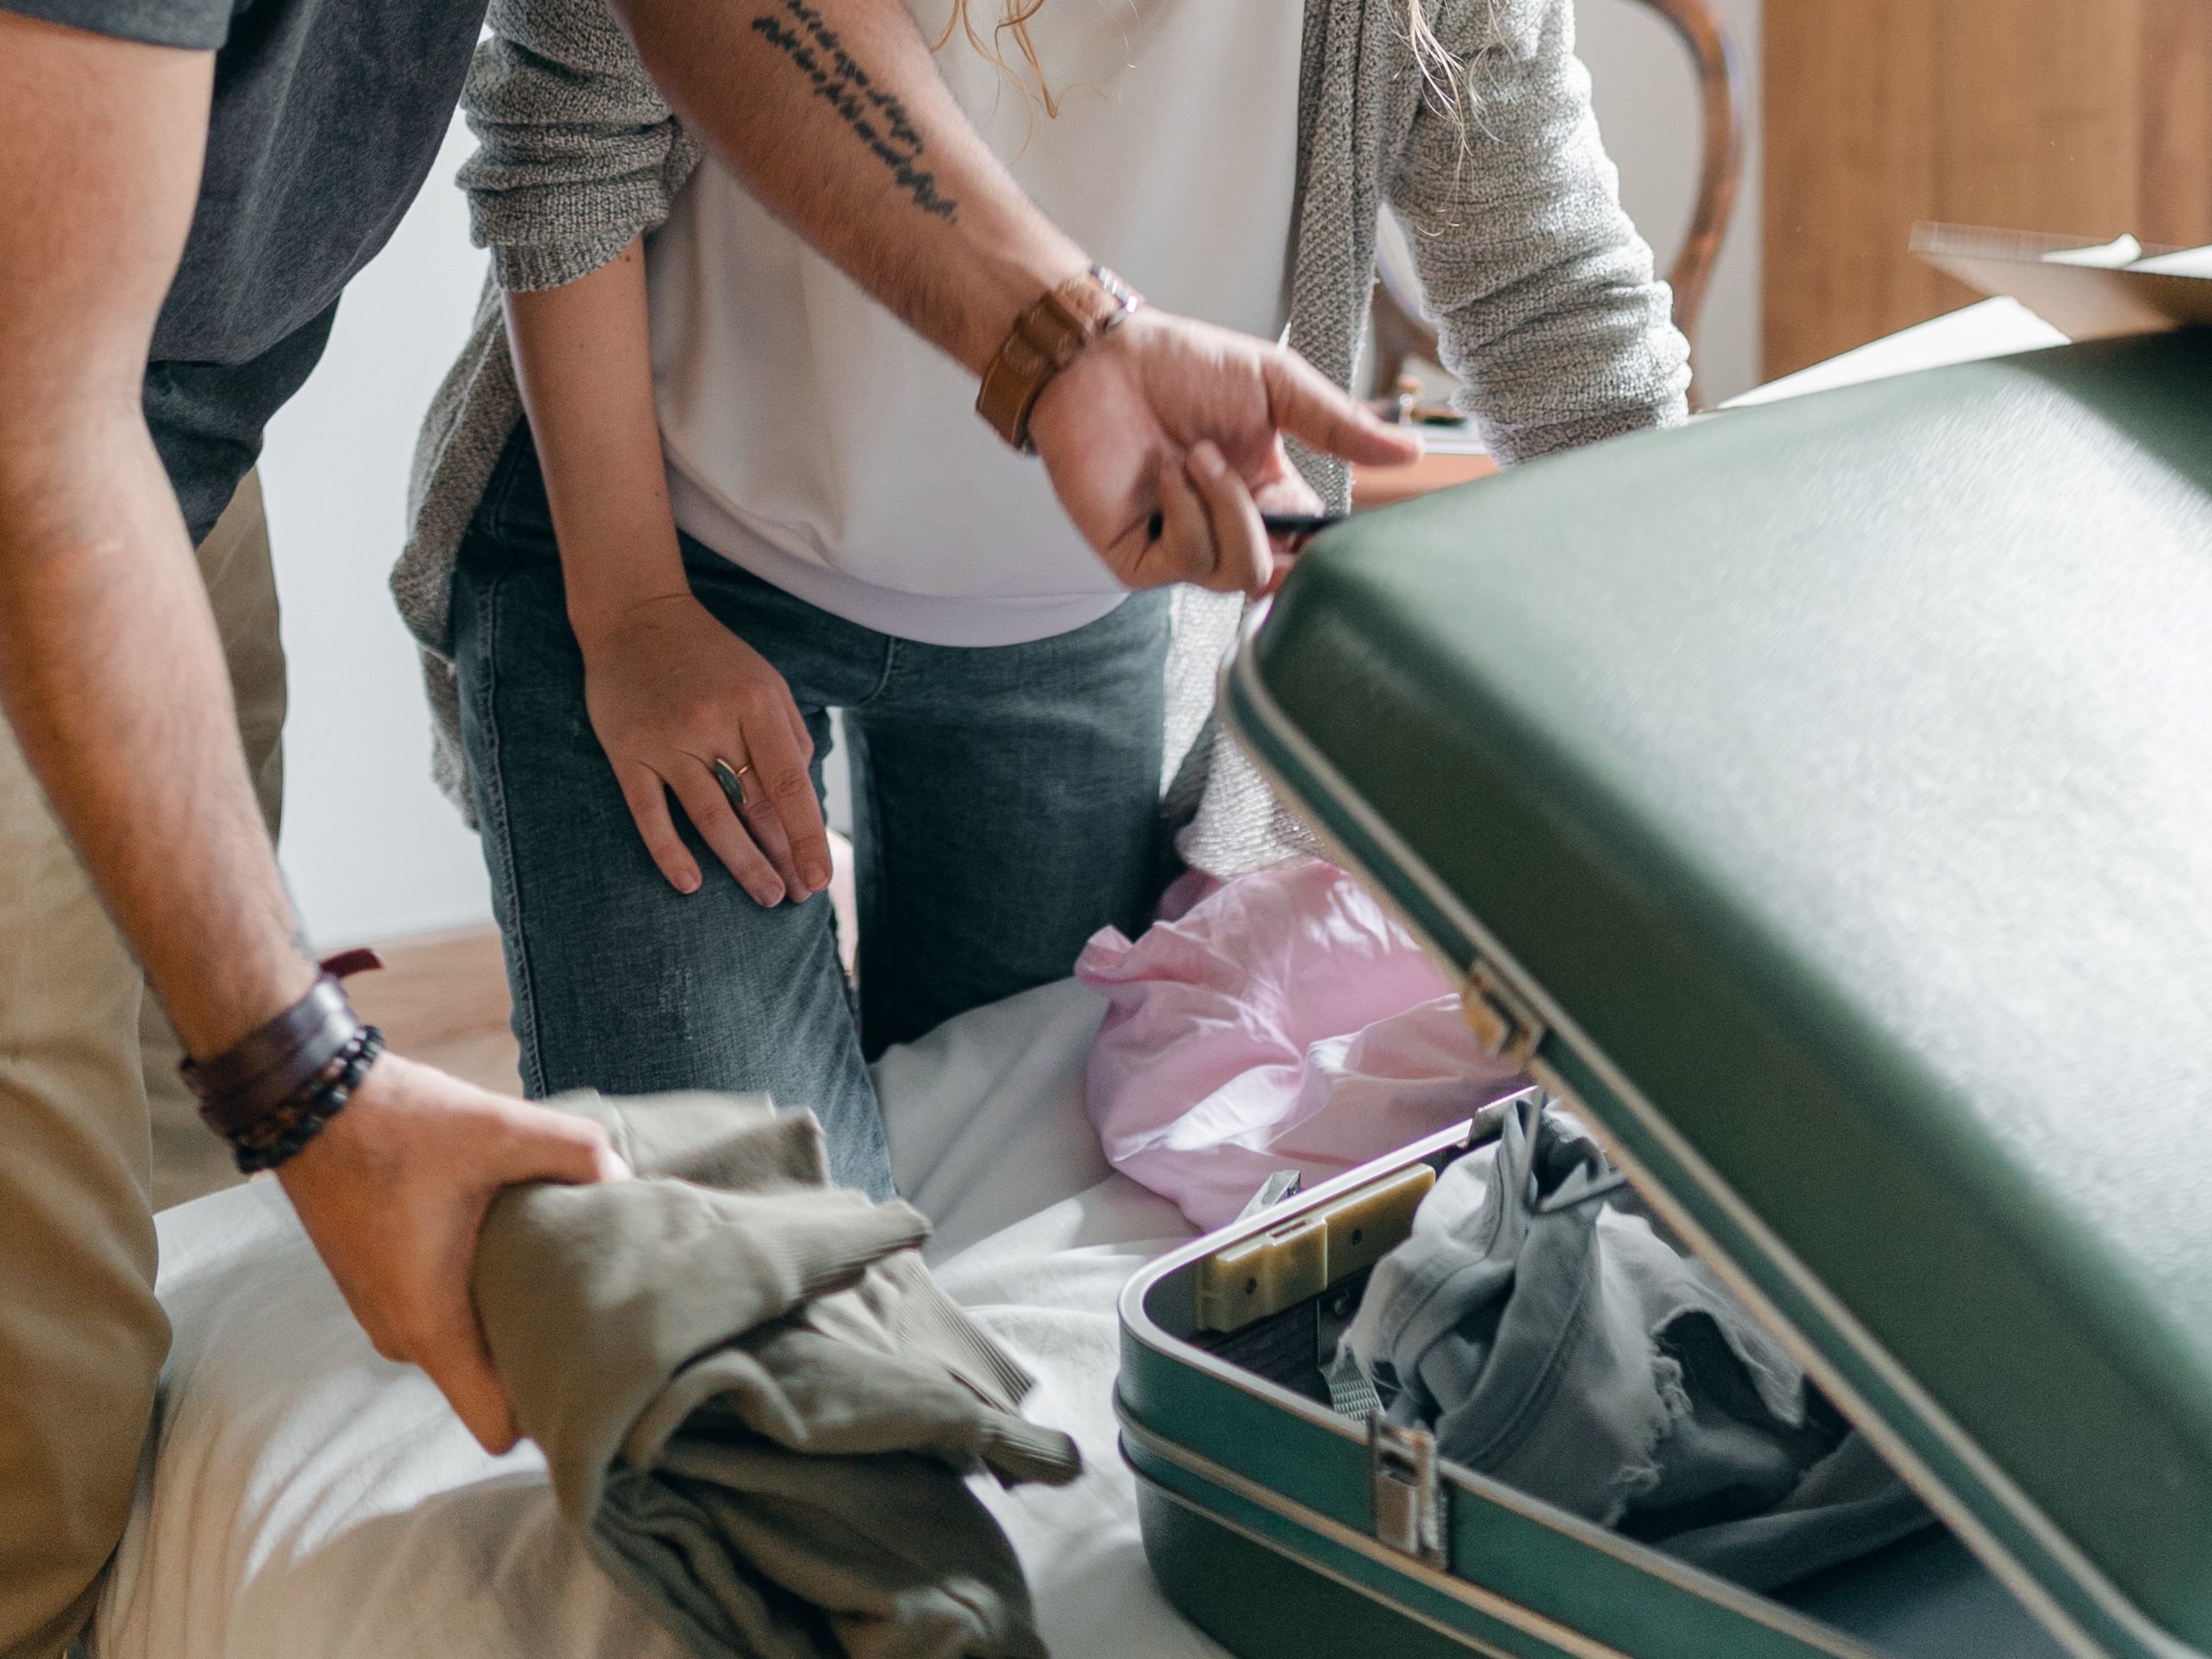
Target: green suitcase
{"points": [[1819, 798]]}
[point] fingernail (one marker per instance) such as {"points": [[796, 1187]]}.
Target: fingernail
{"points": [[816, 874], [1206, 461], [687, 886]]}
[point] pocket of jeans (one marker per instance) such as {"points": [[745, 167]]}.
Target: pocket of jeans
{"points": [[514, 510]]}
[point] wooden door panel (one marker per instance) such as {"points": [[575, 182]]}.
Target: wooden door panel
{"points": [[2085, 118], [1848, 168], [2034, 116], [2174, 201]]}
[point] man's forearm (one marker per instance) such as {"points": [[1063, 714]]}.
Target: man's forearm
{"points": [[110, 670], [113, 677], [833, 114]]}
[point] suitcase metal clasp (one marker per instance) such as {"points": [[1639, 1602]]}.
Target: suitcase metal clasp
{"points": [[1409, 1510], [1503, 1022]]}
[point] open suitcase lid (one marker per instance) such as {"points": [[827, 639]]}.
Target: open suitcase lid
{"points": [[1823, 793]]}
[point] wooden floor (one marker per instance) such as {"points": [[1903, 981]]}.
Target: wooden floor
{"points": [[441, 999]]}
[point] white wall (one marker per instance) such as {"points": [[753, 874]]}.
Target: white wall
{"points": [[371, 849], [1647, 105]]}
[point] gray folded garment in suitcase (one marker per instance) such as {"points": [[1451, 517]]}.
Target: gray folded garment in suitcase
{"points": [[754, 1402], [1561, 1346]]}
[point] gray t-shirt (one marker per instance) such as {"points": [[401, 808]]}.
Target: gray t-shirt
{"points": [[327, 116]]}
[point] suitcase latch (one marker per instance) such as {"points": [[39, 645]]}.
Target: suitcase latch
{"points": [[1502, 1023], [1402, 1466]]}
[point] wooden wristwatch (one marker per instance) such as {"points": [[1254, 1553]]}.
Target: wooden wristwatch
{"points": [[1046, 338]]}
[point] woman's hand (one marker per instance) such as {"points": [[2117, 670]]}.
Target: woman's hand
{"points": [[671, 692], [1164, 443]]}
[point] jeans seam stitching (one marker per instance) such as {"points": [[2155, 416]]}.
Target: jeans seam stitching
{"points": [[502, 480], [883, 679], [525, 1001]]}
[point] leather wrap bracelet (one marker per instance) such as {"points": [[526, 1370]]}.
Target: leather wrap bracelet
{"points": [[273, 1090], [1045, 339]]}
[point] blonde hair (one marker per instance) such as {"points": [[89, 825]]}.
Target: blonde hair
{"points": [[1016, 22], [1443, 74], [1440, 71]]}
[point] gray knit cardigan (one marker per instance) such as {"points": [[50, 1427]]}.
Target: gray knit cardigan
{"points": [[1542, 292]]}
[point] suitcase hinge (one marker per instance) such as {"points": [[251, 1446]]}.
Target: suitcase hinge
{"points": [[1409, 1510], [1502, 1023]]}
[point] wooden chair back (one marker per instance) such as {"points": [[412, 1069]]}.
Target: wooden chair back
{"points": [[1400, 333]]}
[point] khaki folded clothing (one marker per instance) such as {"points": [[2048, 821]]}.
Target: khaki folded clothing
{"points": [[755, 1401]]}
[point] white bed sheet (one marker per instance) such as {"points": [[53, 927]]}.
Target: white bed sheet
{"points": [[302, 1498]]}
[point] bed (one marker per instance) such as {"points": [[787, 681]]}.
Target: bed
{"points": [[302, 1498]]}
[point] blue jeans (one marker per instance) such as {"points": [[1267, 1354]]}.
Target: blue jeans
{"points": [[1007, 802]]}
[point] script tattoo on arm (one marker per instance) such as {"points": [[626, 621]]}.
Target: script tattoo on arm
{"points": [[877, 119]]}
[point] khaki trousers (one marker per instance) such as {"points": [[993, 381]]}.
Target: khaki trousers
{"points": [[95, 1132]]}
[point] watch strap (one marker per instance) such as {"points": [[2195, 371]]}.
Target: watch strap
{"points": [[1046, 338]]}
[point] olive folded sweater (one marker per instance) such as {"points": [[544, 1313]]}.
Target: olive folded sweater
{"points": [[754, 1402]]}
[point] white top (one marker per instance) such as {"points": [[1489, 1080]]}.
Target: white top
{"points": [[814, 440]]}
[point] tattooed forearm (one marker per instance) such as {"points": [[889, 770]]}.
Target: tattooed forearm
{"points": [[879, 119]]}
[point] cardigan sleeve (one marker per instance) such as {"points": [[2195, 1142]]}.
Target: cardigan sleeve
{"points": [[577, 155], [1546, 303]]}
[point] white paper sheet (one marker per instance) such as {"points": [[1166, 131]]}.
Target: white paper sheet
{"points": [[1993, 328], [2182, 262]]}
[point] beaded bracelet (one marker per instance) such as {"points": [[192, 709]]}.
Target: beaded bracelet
{"points": [[273, 1091], [271, 1139]]}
